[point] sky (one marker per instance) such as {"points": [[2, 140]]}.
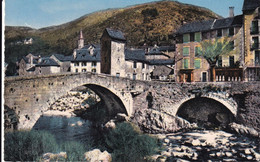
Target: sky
{"points": [[44, 13]]}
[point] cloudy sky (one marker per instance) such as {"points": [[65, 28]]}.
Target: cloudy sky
{"points": [[43, 13]]}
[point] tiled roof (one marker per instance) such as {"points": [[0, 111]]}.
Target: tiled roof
{"points": [[166, 48], [31, 69], [210, 25], [250, 4], [84, 55], [195, 27], [63, 58], [162, 62], [46, 61], [115, 34], [26, 59], [162, 71], [135, 55]]}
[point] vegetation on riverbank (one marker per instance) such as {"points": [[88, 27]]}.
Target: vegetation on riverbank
{"points": [[31, 145]]}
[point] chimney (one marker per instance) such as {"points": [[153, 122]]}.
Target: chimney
{"points": [[74, 53], [231, 12]]}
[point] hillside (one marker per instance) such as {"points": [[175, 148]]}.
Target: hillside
{"points": [[148, 23]]}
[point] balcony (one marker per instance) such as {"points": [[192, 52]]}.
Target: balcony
{"points": [[255, 46]]}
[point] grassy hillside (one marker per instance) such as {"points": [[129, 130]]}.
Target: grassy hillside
{"points": [[148, 23]]}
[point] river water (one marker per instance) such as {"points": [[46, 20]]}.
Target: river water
{"points": [[67, 128], [193, 145]]}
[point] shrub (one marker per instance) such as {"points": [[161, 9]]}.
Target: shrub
{"points": [[28, 145], [128, 144], [75, 150]]}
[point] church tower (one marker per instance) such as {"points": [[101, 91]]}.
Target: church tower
{"points": [[81, 40]]}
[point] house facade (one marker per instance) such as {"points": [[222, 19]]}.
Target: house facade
{"points": [[251, 25], [191, 67]]}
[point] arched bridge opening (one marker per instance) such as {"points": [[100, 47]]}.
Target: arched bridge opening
{"points": [[206, 112], [109, 106]]}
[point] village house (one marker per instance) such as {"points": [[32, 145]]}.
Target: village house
{"points": [[191, 67], [27, 64], [251, 24]]}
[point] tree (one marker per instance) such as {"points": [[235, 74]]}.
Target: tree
{"points": [[212, 49]]}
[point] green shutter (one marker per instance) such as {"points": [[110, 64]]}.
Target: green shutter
{"points": [[185, 63], [197, 37], [197, 51], [186, 38], [197, 63], [186, 51]]}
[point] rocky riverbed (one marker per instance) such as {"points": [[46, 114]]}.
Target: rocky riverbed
{"points": [[207, 145]]}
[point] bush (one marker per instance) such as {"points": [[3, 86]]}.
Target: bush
{"points": [[128, 144], [28, 145], [75, 150]]}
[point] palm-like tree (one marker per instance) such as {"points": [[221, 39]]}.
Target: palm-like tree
{"points": [[212, 49]]}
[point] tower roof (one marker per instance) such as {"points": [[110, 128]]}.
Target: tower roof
{"points": [[250, 4], [115, 34]]}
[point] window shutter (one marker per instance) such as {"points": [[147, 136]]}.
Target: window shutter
{"points": [[186, 38], [197, 37], [197, 63], [186, 63], [186, 51]]}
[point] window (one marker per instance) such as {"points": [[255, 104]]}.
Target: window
{"points": [[257, 58], [231, 61], [143, 65], [134, 76], [84, 63], [83, 70], [197, 49], [254, 27], [255, 44], [186, 51], [197, 63], [197, 37], [220, 61], [191, 37], [117, 75], [76, 64], [134, 64], [219, 33], [94, 70], [231, 31], [232, 44], [77, 70], [186, 38], [94, 64], [186, 63]]}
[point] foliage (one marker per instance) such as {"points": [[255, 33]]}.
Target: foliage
{"points": [[63, 38], [75, 150], [28, 145], [128, 144], [212, 49]]}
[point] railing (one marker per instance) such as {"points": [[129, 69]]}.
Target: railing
{"points": [[229, 74], [252, 74]]}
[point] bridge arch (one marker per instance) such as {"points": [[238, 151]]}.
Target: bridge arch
{"points": [[208, 108]]}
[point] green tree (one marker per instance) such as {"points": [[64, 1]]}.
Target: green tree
{"points": [[212, 49]]}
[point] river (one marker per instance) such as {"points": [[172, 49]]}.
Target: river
{"points": [[192, 145]]}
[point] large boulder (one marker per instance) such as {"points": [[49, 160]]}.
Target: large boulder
{"points": [[96, 155], [152, 121], [241, 129]]}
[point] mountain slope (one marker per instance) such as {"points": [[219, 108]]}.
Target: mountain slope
{"points": [[148, 23]]}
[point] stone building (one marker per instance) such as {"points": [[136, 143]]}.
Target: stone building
{"points": [[86, 59], [113, 52], [27, 64], [191, 67], [251, 24], [47, 65], [63, 61]]}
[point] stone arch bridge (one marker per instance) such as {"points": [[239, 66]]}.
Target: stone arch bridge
{"points": [[30, 96]]}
